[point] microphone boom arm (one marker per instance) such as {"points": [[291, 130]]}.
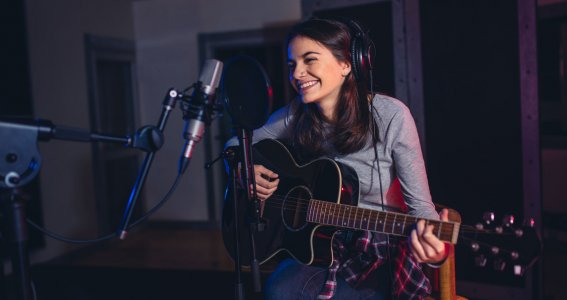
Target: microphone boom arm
{"points": [[168, 105]]}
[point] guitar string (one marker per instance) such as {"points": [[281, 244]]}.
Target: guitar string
{"points": [[444, 231], [292, 206]]}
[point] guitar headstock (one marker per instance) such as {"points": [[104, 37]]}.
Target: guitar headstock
{"points": [[502, 246]]}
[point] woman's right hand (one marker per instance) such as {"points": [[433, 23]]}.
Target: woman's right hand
{"points": [[266, 182]]}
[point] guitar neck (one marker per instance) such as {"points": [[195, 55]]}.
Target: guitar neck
{"points": [[347, 216]]}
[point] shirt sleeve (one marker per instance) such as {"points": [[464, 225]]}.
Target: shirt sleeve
{"points": [[410, 167]]}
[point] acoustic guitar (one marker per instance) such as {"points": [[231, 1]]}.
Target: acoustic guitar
{"points": [[316, 199]]}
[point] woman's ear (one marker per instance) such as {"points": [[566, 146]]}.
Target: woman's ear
{"points": [[346, 68]]}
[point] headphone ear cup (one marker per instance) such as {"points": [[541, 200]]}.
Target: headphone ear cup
{"points": [[356, 58], [361, 45]]}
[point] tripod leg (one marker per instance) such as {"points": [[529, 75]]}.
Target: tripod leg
{"points": [[3, 253], [17, 239]]}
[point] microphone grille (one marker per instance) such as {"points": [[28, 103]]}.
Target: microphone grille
{"points": [[211, 75]]}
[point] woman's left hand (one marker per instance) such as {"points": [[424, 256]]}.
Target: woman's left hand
{"points": [[424, 245]]}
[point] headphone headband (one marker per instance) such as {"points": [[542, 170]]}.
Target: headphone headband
{"points": [[361, 50]]}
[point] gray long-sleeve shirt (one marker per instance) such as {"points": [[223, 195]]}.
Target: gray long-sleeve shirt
{"points": [[399, 153]]}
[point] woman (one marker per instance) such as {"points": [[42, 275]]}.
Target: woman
{"points": [[335, 116]]}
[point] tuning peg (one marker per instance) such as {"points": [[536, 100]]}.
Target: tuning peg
{"points": [[480, 261], [499, 229], [519, 232], [488, 217], [530, 222], [499, 264], [475, 246], [519, 270], [494, 250], [514, 255], [479, 226], [508, 220]]}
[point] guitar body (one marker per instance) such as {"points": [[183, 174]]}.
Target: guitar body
{"points": [[285, 212]]}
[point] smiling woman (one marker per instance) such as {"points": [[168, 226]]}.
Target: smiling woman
{"points": [[336, 117]]}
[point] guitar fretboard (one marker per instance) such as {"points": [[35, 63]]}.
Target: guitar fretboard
{"points": [[347, 216]]}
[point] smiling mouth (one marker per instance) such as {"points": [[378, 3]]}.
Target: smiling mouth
{"points": [[306, 85]]}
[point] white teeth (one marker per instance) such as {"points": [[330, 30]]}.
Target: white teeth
{"points": [[307, 84]]}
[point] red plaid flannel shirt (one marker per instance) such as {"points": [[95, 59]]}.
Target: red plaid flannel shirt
{"points": [[356, 261]]}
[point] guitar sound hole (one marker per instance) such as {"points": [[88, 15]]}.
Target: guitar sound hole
{"points": [[294, 208]]}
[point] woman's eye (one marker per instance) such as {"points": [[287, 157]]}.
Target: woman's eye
{"points": [[310, 60]]}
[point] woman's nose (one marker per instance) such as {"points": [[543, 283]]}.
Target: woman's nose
{"points": [[298, 72]]}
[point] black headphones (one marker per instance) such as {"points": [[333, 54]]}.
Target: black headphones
{"points": [[362, 51]]}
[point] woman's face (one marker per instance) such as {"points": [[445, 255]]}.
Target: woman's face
{"points": [[315, 73]]}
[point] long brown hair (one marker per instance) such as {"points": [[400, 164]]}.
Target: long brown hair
{"points": [[352, 115]]}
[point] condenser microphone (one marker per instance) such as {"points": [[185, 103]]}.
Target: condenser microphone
{"points": [[198, 111]]}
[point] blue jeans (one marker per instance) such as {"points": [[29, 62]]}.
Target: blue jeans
{"points": [[293, 280]]}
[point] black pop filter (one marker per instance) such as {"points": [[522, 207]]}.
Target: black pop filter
{"points": [[246, 91]]}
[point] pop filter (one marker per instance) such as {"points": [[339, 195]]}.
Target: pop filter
{"points": [[246, 91]]}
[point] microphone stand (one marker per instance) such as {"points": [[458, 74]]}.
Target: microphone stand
{"points": [[168, 105], [15, 238], [256, 224], [231, 155], [22, 164]]}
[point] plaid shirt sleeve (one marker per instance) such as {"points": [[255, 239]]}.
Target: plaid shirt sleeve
{"points": [[355, 262]]}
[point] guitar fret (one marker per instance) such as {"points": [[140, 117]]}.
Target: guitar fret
{"points": [[354, 217], [333, 208], [331, 213], [394, 223], [376, 222], [359, 226], [342, 218], [315, 211], [439, 230], [353, 210], [399, 226], [387, 222], [364, 219], [333, 218], [348, 220], [334, 212], [319, 212], [383, 220], [324, 212], [404, 224]]}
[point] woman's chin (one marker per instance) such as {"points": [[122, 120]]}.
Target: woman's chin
{"points": [[306, 99]]}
